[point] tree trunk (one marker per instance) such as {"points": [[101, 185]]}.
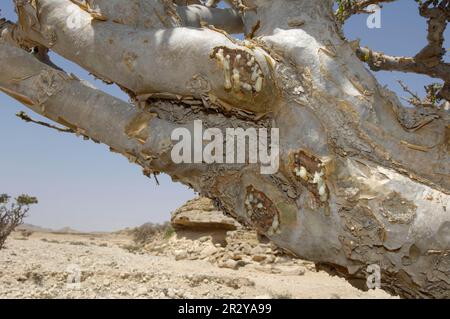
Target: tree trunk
{"points": [[362, 180]]}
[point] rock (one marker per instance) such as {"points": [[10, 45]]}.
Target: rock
{"points": [[237, 256], [200, 213], [282, 260], [230, 263], [246, 249], [288, 270], [270, 259], [170, 293], [205, 239], [124, 275], [180, 254], [247, 259], [142, 291], [259, 258], [120, 291], [264, 268], [208, 251], [258, 250]]}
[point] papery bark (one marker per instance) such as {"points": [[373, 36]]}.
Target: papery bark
{"points": [[362, 179]]}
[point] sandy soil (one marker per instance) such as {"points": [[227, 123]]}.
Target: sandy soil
{"points": [[39, 267]]}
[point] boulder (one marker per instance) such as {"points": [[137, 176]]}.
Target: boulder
{"points": [[200, 214], [180, 254]]}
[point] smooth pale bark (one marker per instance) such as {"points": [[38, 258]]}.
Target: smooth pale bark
{"points": [[196, 16], [180, 61], [379, 128], [362, 180], [137, 134], [153, 14], [135, 13]]}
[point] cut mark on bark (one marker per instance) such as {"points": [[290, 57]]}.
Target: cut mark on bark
{"points": [[261, 211], [311, 172], [397, 209], [137, 128], [242, 73]]}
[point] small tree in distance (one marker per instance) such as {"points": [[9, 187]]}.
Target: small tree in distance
{"points": [[12, 216]]}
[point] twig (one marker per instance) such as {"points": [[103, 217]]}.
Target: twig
{"points": [[24, 116], [407, 90]]}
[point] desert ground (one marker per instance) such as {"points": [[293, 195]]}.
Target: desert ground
{"points": [[64, 265]]}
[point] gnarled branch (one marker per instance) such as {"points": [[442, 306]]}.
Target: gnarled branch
{"points": [[208, 62], [137, 134], [135, 13], [429, 61], [380, 61]]}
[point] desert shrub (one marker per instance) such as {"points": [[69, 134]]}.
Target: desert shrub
{"points": [[169, 232], [12, 216], [26, 233], [78, 243], [132, 248], [51, 241], [143, 234]]}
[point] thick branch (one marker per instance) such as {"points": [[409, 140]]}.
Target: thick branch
{"points": [[437, 22], [135, 13], [429, 61], [207, 61], [162, 14], [197, 16], [137, 134], [380, 61]]}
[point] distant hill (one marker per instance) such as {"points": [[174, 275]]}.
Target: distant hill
{"points": [[34, 228], [67, 230]]}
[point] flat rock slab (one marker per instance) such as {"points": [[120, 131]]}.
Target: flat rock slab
{"points": [[201, 214]]}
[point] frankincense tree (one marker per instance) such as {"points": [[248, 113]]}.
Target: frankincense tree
{"points": [[362, 179]]}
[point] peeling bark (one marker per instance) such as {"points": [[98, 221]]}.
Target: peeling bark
{"points": [[362, 180], [138, 59]]}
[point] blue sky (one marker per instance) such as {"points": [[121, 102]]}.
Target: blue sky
{"points": [[82, 185]]}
